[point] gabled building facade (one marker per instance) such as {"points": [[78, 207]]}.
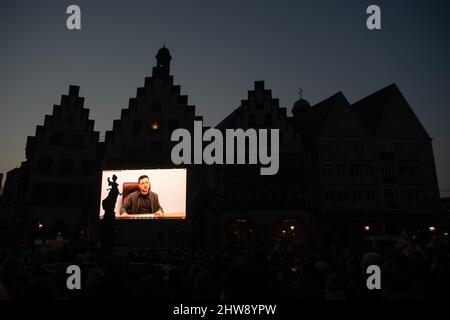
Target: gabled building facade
{"points": [[372, 166], [141, 139], [60, 171], [263, 210], [346, 171]]}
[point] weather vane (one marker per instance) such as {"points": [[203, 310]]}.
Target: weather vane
{"points": [[300, 92]]}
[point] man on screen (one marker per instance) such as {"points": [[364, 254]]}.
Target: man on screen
{"points": [[142, 200]]}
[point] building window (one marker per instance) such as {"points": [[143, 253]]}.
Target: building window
{"points": [[386, 156], [137, 127], [387, 170], [325, 148], [78, 140], [345, 169], [173, 124], [332, 195], [357, 195], [288, 232], [240, 233], [390, 194], [67, 165], [328, 170], [370, 193], [385, 147], [338, 170], [56, 139], [326, 195], [340, 195], [367, 170], [156, 107], [391, 198], [252, 120], [355, 170], [45, 164], [41, 194], [69, 119], [88, 166], [155, 125]]}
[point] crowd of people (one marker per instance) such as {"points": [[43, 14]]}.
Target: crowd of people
{"points": [[200, 275]]}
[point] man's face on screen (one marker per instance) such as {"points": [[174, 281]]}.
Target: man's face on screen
{"points": [[144, 185]]}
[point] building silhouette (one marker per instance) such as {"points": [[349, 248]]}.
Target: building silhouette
{"points": [[255, 209], [372, 165], [347, 171], [10, 203], [57, 183], [140, 139]]}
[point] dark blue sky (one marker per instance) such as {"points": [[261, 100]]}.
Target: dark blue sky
{"points": [[218, 50]]}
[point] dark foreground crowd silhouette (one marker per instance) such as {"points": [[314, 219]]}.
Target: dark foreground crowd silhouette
{"points": [[180, 275]]}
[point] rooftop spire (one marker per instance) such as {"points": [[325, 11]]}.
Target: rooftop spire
{"points": [[301, 104], [163, 58]]}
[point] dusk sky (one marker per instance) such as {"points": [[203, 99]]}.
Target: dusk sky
{"points": [[219, 49]]}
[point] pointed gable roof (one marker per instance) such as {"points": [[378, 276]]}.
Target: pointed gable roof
{"points": [[261, 111], [259, 102], [310, 121], [145, 126], [68, 119], [342, 122], [386, 112], [228, 121]]}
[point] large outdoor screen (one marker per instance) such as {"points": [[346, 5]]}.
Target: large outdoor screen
{"points": [[143, 194]]}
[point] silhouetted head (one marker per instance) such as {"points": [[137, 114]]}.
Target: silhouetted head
{"points": [[95, 278], [151, 288], [204, 286], [116, 266], [3, 292], [39, 289], [323, 268], [371, 258], [335, 287], [144, 184], [308, 269], [244, 281], [114, 177]]}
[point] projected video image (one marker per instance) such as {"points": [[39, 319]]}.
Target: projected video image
{"points": [[143, 194]]}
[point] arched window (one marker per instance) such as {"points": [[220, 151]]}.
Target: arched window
{"points": [[241, 233], [288, 232]]}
